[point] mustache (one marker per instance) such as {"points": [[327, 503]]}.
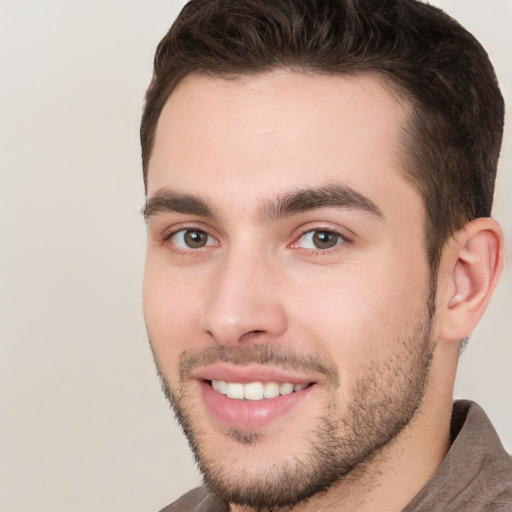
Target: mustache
{"points": [[277, 356]]}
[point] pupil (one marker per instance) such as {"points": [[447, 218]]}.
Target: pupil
{"points": [[195, 238], [325, 239]]}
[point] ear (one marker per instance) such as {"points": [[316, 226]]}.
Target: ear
{"points": [[471, 266]]}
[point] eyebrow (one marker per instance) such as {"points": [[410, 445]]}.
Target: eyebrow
{"points": [[290, 203], [329, 196], [166, 201]]}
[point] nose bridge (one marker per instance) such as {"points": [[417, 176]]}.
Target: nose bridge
{"points": [[243, 298]]}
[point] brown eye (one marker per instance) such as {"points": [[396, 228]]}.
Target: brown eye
{"points": [[195, 239], [191, 239], [320, 239], [325, 239]]}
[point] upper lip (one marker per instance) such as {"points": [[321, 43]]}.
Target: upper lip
{"points": [[250, 373]]}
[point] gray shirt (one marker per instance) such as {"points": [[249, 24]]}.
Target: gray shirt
{"points": [[475, 475]]}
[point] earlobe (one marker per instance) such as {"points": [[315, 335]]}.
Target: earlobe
{"points": [[472, 266]]}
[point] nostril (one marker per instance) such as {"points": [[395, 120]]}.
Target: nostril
{"points": [[252, 334]]}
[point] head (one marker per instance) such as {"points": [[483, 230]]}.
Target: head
{"points": [[452, 138], [308, 165]]}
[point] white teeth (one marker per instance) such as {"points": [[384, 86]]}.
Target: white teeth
{"points": [[271, 390], [255, 390], [235, 390], [286, 388]]}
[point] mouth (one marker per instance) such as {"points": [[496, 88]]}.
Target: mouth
{"points": [[256, 391], [250, 399]]}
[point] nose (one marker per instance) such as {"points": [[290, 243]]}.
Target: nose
{"points": [[244, 303]]}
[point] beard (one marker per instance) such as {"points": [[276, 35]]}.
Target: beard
{"points": [[382, 402]]}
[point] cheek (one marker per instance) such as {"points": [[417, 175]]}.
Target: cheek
{"points": [[354, 314], [171, 312]]}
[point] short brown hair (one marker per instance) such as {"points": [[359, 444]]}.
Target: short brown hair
{"points": [[453, 138]]}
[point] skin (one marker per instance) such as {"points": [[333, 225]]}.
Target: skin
{"points": [[260, 286]]}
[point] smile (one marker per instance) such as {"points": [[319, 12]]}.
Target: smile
{"points": [[255, 390], [253, 404]]}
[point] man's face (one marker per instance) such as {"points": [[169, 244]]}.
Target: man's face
{"points": [[286, 265]]}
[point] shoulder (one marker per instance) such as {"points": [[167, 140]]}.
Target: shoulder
{"points": [[481, 469], [476, 474], [196, 500]]}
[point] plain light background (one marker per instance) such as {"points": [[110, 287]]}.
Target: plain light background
{"points": [[83, 424]]}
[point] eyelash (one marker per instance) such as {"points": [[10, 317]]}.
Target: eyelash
{"points": [[191, 251], [342, 240]]}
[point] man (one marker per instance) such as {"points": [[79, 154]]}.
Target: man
{"points": [[319, 178]]}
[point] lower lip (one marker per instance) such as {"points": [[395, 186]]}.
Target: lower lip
{"points": [[249, 415]]}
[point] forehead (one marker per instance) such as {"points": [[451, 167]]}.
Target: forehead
{"points": [[268, 133]]}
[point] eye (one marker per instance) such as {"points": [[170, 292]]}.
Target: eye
{"points": [[319, 239], [191, 239]]}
